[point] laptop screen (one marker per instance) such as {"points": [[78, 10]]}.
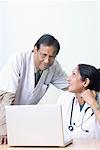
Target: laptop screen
{"points": [[34, 125]]}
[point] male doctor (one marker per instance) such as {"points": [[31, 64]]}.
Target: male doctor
{"points": [[27, 76]]}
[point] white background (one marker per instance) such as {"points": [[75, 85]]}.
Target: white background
{"points": [[76, 25]]}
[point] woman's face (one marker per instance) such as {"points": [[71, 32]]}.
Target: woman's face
{"points": [[76, 85]]}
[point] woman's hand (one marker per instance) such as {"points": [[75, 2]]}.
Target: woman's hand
{"points": [[89, 96]]}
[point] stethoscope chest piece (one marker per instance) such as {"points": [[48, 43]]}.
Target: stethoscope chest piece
{"points": [[71, 128]]}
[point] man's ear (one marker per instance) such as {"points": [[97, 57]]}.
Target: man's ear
{"points": [[35, 49], [86, 82]]}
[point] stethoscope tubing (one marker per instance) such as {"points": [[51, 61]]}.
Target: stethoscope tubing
{"points": [[70, 127]]}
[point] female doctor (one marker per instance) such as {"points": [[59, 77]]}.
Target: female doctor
{"points": [[81, 103]]}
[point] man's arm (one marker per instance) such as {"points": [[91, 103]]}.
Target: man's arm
{"points": [[6, 98], [59, 79]]}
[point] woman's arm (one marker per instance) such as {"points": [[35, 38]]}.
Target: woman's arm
{"points": [[90, 98]]}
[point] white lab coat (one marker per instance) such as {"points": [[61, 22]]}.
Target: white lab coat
{"points": [[18, 77], [92, 125]]}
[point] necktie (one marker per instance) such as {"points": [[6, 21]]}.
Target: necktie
{"points": [[37, 77]]}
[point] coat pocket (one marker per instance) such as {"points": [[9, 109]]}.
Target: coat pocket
{"points": [[44, 89]]}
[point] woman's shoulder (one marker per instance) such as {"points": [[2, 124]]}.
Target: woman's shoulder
{"points": [[65, 96]]}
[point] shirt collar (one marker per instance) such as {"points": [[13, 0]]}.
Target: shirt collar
{"points": [[35, 70]]}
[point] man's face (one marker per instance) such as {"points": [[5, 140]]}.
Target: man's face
{"points": [[44, 56]]}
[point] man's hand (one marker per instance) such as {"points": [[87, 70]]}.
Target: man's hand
{"points": [[3, 139]]}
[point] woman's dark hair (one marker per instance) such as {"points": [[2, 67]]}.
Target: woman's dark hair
{"points": [[48, 40], [88, 71], [99, 70]]}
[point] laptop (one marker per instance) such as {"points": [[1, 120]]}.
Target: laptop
{"points": [[35, 125]]}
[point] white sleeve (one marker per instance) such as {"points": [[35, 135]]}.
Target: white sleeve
{"points": [[10, 74], [60, 78], [61, 98], [65, 100]]}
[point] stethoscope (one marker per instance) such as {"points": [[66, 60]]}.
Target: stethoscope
{"points": [[71, 127]]}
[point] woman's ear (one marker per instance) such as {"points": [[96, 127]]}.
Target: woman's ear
{"points": [[86, 82]]}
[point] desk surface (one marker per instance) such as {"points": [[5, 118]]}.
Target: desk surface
{"points": [[77, 145]]}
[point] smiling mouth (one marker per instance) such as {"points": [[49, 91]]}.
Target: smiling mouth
{"points": [[44, 67]]}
